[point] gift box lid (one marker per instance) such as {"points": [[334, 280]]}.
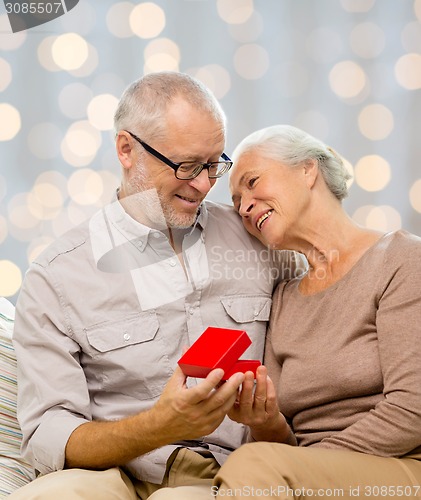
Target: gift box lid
{"points": [[217, 348]]}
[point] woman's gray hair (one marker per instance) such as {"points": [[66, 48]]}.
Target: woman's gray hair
{"points": [[293, 146], [143, 105]]}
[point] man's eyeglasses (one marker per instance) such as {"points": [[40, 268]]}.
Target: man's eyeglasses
{"points": [[189, 169]]}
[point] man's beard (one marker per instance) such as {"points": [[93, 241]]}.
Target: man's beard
{"points": [[147, 203]]}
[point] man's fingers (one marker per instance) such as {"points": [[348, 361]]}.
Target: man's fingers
{"points": [[205, 387]]}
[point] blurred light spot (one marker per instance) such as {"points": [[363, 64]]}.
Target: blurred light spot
{"points": [[313, 122], [372, 173], [117, 19], [251, 61], [45, 54], [324, 45], [360, 215], [147, 20], [101, 111], [37, 246], [74, 99], [45, 201], [69, 51], [415, 195], [5, 74], [44, 140], [408, 71], [11, 278], [80, 144], [19, 213], [215, 77], [249, 31], [9, 121], [84, 17], [90, 64], [55, 178], [375, 122], [347, 79], [161, 55], [367, 40], [411, 37], [235, 11], [9, 40], [85, 187], [383, 218], [357, 5], [417, 9], [3, 229]]}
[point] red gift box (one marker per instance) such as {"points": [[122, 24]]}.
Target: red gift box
{"points": [[218, 348]]}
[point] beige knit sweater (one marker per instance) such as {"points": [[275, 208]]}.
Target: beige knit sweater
{"points": [[347, 361]]}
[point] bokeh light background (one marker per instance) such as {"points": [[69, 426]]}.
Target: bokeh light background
{"points": [[347, 71]]}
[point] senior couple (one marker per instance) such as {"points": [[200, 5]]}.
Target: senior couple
{"points": [[105, 313]]}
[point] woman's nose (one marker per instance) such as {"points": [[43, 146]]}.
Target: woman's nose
{"points": [[246, 207]]}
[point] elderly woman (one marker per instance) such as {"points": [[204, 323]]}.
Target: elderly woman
{"points": [[340, 414]]}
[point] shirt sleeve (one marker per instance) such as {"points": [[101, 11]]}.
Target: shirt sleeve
{"points": [[393, 427], [53, 398]]}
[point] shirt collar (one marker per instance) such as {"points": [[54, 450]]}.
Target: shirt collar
{"points": [[117, 226]]}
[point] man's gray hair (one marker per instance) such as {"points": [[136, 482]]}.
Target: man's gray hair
{"points": [[142, 107], [292, 146]]}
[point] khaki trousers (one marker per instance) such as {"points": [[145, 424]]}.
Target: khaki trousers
{"points": [[185, 468], [270, 470]]}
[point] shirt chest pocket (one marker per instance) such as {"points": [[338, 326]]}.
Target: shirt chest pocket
{"points": [[128, 356], [250, 313], [115, 335], [248, 308]]}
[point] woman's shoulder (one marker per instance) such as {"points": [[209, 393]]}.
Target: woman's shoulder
{"points": [[401, 246]]}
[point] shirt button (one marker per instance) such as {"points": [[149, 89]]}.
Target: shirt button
{"points": [[172, 262], [156, 235], [126, 336], [191, 311], [256, 313]]}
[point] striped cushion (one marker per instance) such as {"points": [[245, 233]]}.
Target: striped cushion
{"points": [[14, 472]]}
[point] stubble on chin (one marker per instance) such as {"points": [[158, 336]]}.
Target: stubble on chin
{"points": [[149, 207]]}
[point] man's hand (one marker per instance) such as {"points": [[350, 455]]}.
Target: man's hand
{"points": [[181, 413], [189, 413]]}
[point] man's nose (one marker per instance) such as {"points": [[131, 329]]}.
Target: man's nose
{"points": [[202, 182]]}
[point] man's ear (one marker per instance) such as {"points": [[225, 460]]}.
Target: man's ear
{"points": [[311, 171], [125, 152]]}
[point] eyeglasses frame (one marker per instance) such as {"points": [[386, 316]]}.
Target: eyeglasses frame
{"points": [[176, 166]]}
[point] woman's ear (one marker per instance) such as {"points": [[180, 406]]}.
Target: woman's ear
{"points": [[311, 171], [125, 152]]}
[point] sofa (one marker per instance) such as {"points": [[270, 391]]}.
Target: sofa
{"points": [[14, 471]]}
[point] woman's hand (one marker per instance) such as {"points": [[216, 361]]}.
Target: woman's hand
{"points": [[256, 407]]}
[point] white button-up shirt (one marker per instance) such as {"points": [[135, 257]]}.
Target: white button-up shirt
{"points": [[105, 312]]}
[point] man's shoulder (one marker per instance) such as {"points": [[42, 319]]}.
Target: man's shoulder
{"points": [[215, 207], [222, 214], [69, 242]]}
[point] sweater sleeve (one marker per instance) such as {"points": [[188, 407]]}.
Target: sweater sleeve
{"points": [[393, 427]]}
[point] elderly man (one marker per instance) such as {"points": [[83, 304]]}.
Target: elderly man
{"points": [[106, 312]]}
